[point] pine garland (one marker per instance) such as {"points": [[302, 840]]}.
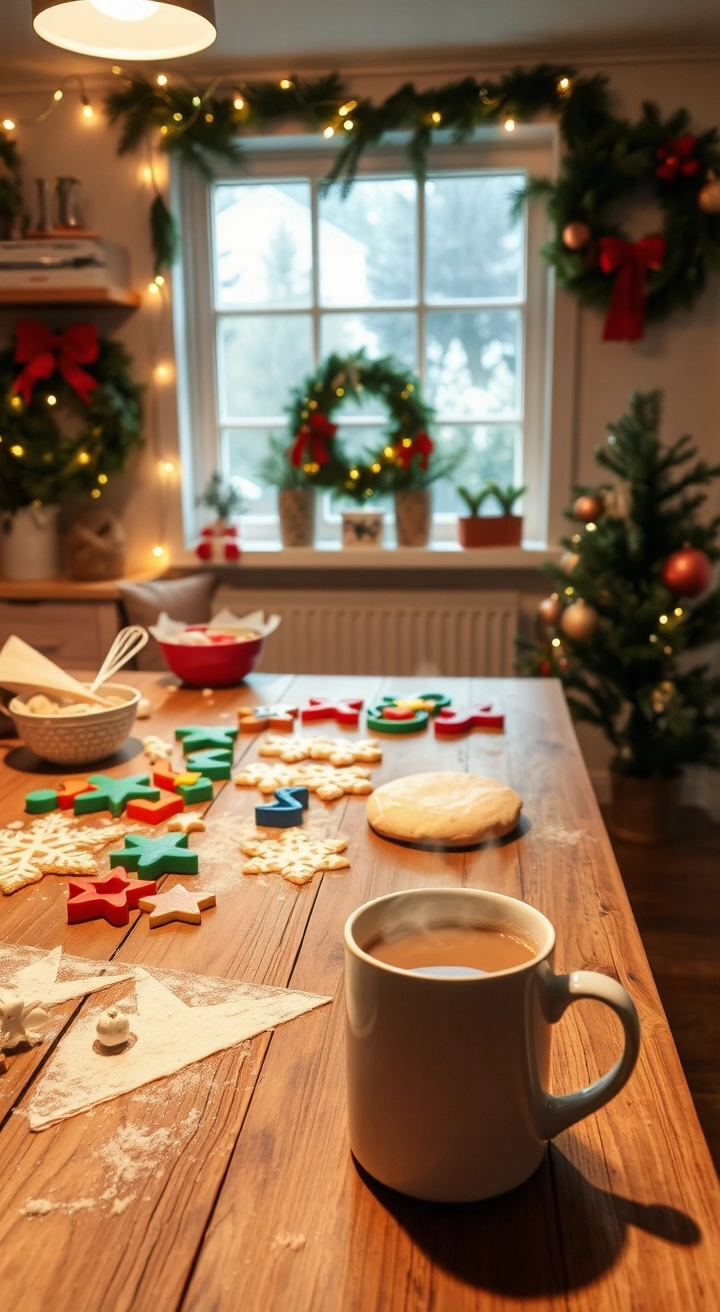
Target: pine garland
{"points": [[606, 159]]}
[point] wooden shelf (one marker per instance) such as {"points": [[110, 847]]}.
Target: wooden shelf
{"points": [[62, 589], [117, 297]]}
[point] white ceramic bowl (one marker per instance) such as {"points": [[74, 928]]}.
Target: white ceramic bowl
{"points": [[77, 739]]}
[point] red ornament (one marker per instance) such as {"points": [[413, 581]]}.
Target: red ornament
{"points": [[625, 319], [687, 572], [589, 509], [677, 156], [576, 235], [550, 610], [544, 669]]}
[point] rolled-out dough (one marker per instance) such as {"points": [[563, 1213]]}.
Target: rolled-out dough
{"points": [[443, 809]]}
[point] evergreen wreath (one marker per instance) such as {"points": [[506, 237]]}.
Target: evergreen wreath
{"points": [[70, 415], [606, 160], [317, 454]]}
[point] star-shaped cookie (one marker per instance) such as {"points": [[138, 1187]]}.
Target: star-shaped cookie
{"points": [[187, 823], [337, 751], [295, 856], [177, 904], [152, 857], [327, 782]]}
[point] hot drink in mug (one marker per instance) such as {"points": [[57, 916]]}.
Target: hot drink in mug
{"points": [[450, 997]]}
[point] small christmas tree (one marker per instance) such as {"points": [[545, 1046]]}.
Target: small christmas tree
{"points": [[619, 629]]}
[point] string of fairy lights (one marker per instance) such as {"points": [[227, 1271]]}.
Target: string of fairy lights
{"points": [[162, 371], [338, 118]]}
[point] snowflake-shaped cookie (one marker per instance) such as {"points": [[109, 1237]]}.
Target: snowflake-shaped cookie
{"points": [[55, 844], [295, 856], [327, 782], [337, 751]]}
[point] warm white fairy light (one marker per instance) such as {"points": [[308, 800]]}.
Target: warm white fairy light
{"points": [[509, 125], [239, 103], [348, 125], [58, 95], [52, 400], [329, 131], [663, 619], [285, 84], [102, 478], [8, 124], [556, 642], [678, 610], [158, 551], [160, 281], [161, 80], [590, 528], [87, 110], [95, 493], [153, 289]]}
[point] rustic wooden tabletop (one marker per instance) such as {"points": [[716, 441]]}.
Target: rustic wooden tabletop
{"points": [[233, 1186]]}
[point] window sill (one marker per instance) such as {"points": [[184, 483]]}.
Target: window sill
{"points": [[440, 556]]}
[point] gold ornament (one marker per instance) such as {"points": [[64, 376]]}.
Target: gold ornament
{"points": [[579, 621], [589, 509], [568, 561], [550, 610], [576, 235], [709, 198]]}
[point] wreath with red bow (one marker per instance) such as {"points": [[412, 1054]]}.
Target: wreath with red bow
{"points": [[317, 455], [607, 160], [70, 414]]}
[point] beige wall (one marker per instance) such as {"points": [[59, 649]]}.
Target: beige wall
{"points": [[682, 356]]}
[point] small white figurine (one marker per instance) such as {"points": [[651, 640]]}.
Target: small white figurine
{"points": [[20, 1021], [113, 1028]]}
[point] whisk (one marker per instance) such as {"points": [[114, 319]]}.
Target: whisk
{"points": [[127, 644]]}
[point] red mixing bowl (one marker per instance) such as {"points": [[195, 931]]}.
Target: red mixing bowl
{"points": [[219, 665]]}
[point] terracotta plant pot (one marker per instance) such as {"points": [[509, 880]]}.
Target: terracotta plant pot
{"points": [[296, 507], [490, 530], [413, 516], [644, 810]]}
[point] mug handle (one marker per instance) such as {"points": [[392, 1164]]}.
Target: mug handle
{"points": [[558, 1111]]}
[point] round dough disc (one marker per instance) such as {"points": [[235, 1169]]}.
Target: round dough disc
{"points": [[444, 810]]}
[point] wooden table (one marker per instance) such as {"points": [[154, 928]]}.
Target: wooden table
{"points": [[233, 1187]]}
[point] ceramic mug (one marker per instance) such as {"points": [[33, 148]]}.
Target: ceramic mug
{"points": [[447, 1077]]}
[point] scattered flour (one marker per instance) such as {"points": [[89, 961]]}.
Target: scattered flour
{"points": [[284, 1239], [44, 1206]]}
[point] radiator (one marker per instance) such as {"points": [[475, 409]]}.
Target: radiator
{"points": [[387, 632]]}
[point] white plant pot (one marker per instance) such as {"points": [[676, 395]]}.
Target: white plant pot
{"points": [[362, 528], [29, 543]]}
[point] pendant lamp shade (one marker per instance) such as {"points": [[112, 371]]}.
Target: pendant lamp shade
{"points": [[127, 29]]}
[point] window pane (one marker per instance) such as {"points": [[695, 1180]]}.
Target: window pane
{"points": [[368, 243], [472, 247], [243, 452], [473, 362], [263, 244], [381, 333], [261, 358], [493, 452]]}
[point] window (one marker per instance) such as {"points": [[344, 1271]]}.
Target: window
{"points": [[436, 274]]}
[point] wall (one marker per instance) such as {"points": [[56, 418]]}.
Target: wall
{"points": [[682, 356]]}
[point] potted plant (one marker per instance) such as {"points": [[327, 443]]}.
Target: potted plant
{"points": [[219, 540], [504, 530], [295, 495], [633, 600]]}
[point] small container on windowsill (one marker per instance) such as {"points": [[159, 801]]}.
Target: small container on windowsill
{"points": [[362, 528], [490, 530]]}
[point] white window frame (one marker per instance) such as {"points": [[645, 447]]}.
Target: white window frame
{"points": [[532, 149]]}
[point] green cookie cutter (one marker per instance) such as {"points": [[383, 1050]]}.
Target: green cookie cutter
{"points": [[378, 724]]}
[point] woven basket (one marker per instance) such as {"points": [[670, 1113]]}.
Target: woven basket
{"points": [[77, 739]]}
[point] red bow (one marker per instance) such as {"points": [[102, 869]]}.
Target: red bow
{"points": [[421, 446], [677, 157], [312, 436], [625, 319], [42, 352]]}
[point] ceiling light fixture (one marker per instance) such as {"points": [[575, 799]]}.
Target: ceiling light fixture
{"points": [[127, 29]]}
